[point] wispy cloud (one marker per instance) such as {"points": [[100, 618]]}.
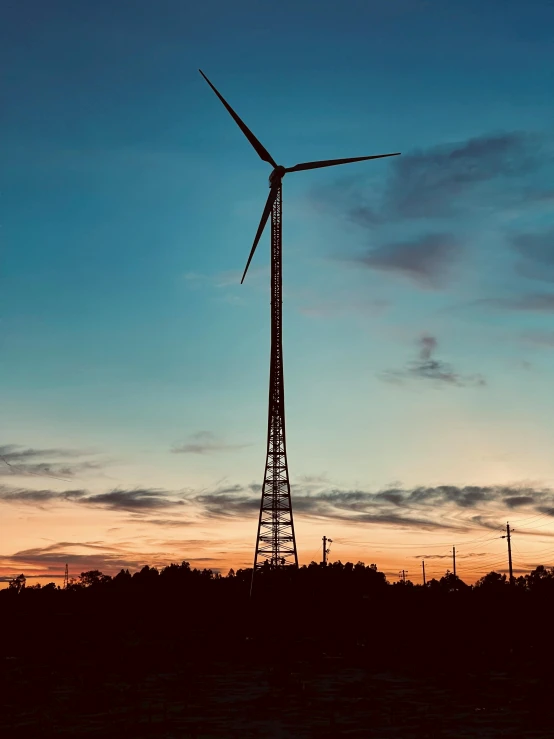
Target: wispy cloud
{"points": [[167, 522], [433, 182], [468, 555], [38, 497], [49, 561], [346, 505], [16, 453], [426, 367], [429, 508], [226, 503], [425, 260], [543, 339], [442, 507], [516, 501], [16, 460], [538, 246], [452, 508], [444, 181], [204, 442], [359, 506], [138, 499], [536, 250], [530, 302], [330, 307]]}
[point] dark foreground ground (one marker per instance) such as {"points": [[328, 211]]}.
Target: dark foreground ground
{"points": [[144, 691], [201, 659]]}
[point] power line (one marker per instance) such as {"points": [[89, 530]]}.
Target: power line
{"points": [[549, 511], [481, 539], [491, 559], [548, 523], [527, 553], [490, 563], [494, 563]]}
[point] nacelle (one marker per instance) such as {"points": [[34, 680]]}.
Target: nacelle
{"points": [[276, 176]]}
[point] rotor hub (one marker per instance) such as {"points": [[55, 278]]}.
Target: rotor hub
{"points": [[276, 176]]}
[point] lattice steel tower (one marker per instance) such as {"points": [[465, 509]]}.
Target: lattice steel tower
{"points": [[275, 542]]}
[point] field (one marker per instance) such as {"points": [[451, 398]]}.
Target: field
{"points": [[144, 690]]}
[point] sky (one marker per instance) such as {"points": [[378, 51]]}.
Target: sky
{"points": [[418, 290]]}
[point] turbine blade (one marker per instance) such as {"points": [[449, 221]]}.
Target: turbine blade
{"points": [[265, 215], [262, 151], [333, 162]]}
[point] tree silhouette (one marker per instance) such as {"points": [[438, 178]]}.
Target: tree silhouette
{"points": [[452, 583], [93, 578], [17, 584], [493, 581], [540, 579]]}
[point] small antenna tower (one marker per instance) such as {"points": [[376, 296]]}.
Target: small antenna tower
{"points": [[507, 536], [66, 577], [326, 549]]}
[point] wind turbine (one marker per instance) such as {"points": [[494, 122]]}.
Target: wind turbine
{"points": [[275, 542]]}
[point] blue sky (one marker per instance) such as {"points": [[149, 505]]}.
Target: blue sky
{"points": [[419, 303]]}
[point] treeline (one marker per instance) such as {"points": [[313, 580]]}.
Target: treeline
{"points": [[177, 614], [357, 578]]}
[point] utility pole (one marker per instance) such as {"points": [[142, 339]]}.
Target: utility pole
{"points": [[326, 549], [423, 567], [507, 536], [402, 574], [454, 560]]}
